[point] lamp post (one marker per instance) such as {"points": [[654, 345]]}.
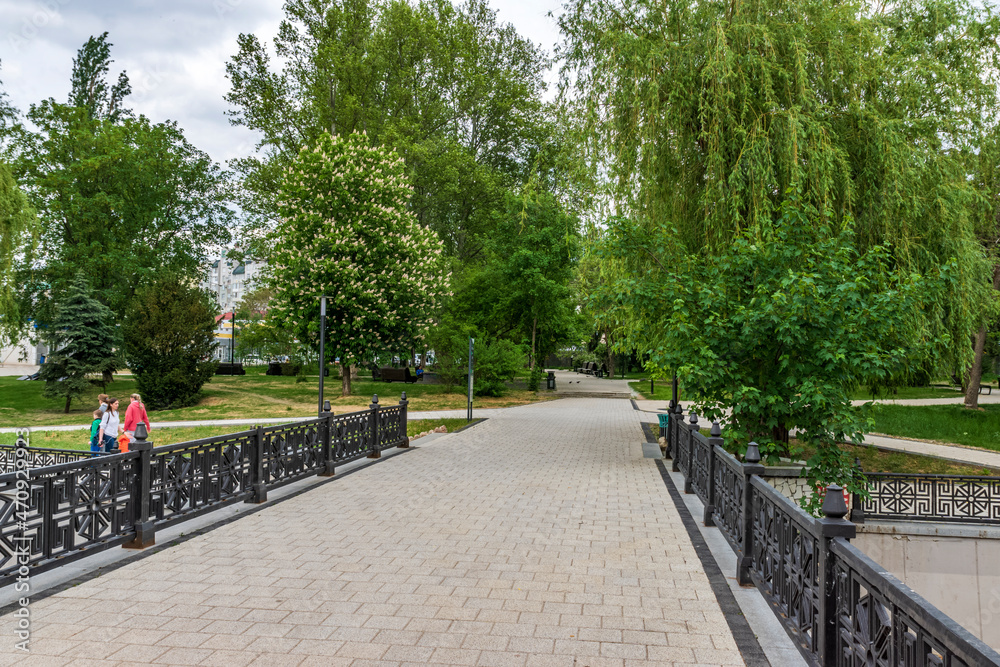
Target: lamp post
{"points": [[322, 348], [232, 344]]}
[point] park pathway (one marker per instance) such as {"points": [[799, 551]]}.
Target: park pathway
{"points": [[539, 537]]}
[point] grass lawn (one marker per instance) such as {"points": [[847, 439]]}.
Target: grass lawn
{"points": [[662, 389], [241, 397], [863, 394], [170, 436], [941, 423], [877, 460]]}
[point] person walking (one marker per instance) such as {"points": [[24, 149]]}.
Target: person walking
{"points": [[102, 403], [110, 425], [95, 428], [134, 415]]}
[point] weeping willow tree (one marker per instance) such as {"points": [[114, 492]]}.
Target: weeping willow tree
{"points": [[702, 115], [702, 120], [985, 170]]}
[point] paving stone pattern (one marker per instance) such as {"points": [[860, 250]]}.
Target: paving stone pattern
{"points": [[540, 537]]}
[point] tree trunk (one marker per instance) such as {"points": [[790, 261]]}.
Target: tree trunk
{"points": [[534, 326], [975, 374], [345, 379], [68, 399], [106, 377], [611, 359]]}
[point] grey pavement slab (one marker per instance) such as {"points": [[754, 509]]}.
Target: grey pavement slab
{"points": [[570, 384], [539, 537]]}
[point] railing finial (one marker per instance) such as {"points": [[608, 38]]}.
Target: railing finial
{"points": [[716, 429], [834, 506], [693, 419], [753, 453]]}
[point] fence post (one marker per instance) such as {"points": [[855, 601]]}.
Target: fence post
{"points": [[857, 507], [692, 428], [258, 487], [751, 467], [403, 438], [145, 530], [676, 423], [376, 452], [832, 525], [327, 469], [713, 441]]}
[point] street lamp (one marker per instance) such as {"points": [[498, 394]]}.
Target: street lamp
{"points": [[322, 348]]}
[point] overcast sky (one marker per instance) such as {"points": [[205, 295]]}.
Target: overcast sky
{"points": [[174, 51]]}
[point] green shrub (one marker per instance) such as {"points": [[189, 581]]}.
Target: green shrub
{"points": [[169, 337], [534, 378], [496, 363]]}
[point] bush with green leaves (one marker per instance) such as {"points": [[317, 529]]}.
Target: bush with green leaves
{"points": [[497, 361], [535, 378], [780, 328], [81, 340], [496, 364], [169, 338]]}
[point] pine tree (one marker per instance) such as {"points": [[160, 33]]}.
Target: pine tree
{"points": [[81, 340]]}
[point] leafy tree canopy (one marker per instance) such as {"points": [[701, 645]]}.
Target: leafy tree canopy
{"points": [[701, 115], [119, 197], [456, 94], [778, 329], [17, 235], [520, 288], [347, 233], [7, 112]]}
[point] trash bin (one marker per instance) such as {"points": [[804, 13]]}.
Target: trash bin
{"points": [[550, 381]]}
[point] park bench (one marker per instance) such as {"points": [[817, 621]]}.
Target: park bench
{"points": [[389, 374], [226, 368]]}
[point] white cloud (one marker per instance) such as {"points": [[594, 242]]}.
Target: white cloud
{"points": [[174, 52]]}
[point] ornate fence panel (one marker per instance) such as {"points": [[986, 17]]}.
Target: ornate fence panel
{"points": [[191, 477], [701, 451], [880, 621], [681, 451], [946, 498], [50, 514], [785, 563], [38, 457], [353, 436], [64, 512], [391, 429], [292, 451], [728, 501]]}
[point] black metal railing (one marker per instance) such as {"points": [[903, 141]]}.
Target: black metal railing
{"points": [[838, 606], [37, 457], [54, 514], [939, 498]]}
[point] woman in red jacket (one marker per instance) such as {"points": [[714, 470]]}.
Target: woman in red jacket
{"points": [[136, 413]]}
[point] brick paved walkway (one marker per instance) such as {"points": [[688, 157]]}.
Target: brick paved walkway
{"points": [[540, 537]]}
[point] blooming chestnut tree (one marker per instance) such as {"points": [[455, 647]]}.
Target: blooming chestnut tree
{"points": [[347, 233]]}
